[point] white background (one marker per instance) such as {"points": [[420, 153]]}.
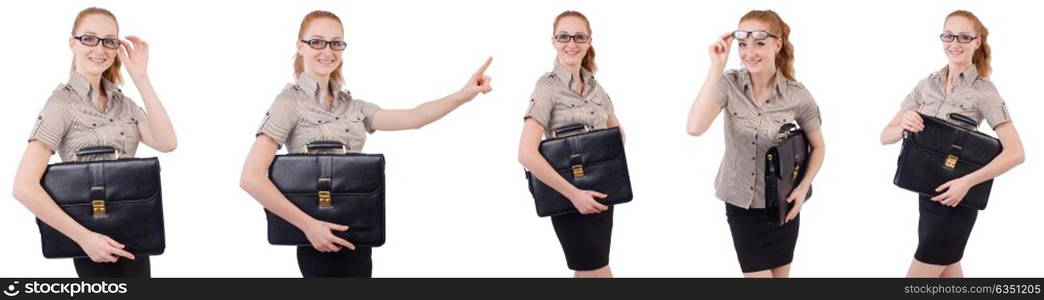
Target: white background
{"points": [[457, 201]]}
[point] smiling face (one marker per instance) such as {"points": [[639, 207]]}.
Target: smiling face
{"points": [[571, 53], [320, 63], [758, 55], [960, 53], [93, 61]]}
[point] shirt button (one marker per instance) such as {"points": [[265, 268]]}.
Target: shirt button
{"points": [[592, 112], [759, 114], [121, 133], [337, 118], [39, 118], [110, 120], [751, 188], [754, 158]]}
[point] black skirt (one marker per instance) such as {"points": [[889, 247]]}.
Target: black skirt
{"points": [[344, 263], [942, 232], [140, 267], [585, 238], [760, 245]]}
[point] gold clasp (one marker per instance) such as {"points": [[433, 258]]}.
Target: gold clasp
{"points": [[98, 208], [793, 175], [578, 171], [324, 199], [951, 161]]}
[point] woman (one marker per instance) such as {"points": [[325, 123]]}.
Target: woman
{"points": [[567, 95], [757, 100], [959, 87], [315, 108], [90, 110]]}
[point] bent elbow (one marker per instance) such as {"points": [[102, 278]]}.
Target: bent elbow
{"points": [[693, 131]]}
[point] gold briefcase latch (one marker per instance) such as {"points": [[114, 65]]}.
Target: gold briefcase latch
{"points": [[578, 171], [98, 208], [951, 161], [324, 199]]}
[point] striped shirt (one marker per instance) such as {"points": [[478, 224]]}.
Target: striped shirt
{"points": [[972, 96], [299, 116], [72, 120], [751, 130], [556, 102]]}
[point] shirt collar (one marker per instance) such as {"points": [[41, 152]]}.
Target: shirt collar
{"points": [[79, 85], [566, 77], [311, 88], [967, 76], [781, 81]]}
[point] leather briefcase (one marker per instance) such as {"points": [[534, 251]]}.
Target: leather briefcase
{"points": [[345, 188], [120, 198], [942, 152], [591, 160], [785, 166]]}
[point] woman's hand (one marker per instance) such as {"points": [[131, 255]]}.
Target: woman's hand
{"points": [[322, 239], [478, 83], [102, 249], [955, 191], [911, 121], [797, 196], [719, 51], [135, 59], [584, 201]]}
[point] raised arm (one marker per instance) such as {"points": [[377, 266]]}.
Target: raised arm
{"points": [[156, 130], [424, 114], [705, 108]]}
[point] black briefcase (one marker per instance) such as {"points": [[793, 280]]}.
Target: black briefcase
{"points": [[345, 188], [119, 198], [593, 160], [785, 167], [943, 152]]}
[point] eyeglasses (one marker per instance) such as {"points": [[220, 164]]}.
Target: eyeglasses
{"points": [[961, 38], [318, 44], [91, 41], [756, 34], [579, 38]]}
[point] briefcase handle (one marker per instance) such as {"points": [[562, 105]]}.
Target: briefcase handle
{"points": [[96, 150], [317, 145], [569, 129], [963, 119], [786, 131]]}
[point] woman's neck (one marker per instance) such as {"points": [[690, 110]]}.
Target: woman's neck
{"points": [[763, 80], [93, 79], [322, 81], [100, 98], [574, 70], [955, 69]]}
